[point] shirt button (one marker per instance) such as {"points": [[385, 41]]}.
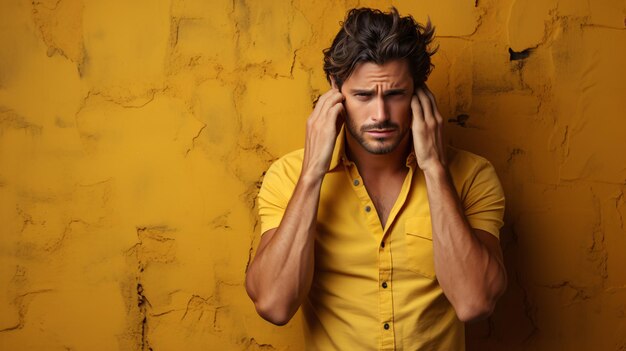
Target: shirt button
{"points": [[384, 285], [386, 326], [367, 208], [356, 182]]}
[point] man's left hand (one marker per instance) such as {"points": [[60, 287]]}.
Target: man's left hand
{"points": [[427, 128]]}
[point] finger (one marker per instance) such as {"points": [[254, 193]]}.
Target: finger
{"points": [[327, 94], [324, 97], [437, 116], [416, 107], [330, 113], [317, 103], [426, 89], [429, 118], [335, 99], [433, 101], [327, 100], [336, 109]]}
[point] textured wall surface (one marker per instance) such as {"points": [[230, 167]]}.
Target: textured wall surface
{"points": [[134, 136]]}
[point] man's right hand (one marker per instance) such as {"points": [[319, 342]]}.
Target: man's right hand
{"points": [[322, 129], [280, 275]]}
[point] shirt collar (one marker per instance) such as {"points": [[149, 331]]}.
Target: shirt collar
{"points": [[411, 160], [339, 153]]}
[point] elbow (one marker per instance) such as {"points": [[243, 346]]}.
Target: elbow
{"points": [[480, 307], [475, 311], [269, 309], [273, 312]]}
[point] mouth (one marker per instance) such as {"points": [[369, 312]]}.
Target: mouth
{"points": [[380, 133]]}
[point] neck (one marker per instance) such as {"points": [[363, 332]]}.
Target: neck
{"points": [[368, 163]]}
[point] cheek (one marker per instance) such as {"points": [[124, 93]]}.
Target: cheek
{"points": [[401, 109], [354, 108]]}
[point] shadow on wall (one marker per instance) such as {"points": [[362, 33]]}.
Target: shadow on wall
{"points": [[553, 118]]}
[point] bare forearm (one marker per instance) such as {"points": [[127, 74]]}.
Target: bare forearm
{"points": [[280, 276], [470, 275]]}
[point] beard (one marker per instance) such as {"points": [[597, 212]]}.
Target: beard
{"points": [[377, 146]]}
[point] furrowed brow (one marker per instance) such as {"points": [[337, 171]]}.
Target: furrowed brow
{"points": [[362, 91], [395, 91]]}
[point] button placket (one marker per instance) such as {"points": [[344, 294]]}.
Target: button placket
{"points": [[385, 296]]}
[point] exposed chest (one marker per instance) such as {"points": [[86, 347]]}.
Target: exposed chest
{"points": [[384, 194]]}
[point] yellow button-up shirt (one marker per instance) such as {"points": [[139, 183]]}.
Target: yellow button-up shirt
{"points": [[375, 288]]}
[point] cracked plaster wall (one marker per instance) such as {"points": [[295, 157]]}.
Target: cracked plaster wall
{"points": [[134, 136]]}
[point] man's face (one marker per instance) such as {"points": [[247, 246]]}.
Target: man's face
{"points": [[378, 104]]}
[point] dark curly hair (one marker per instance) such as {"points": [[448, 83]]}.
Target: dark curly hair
{"points": [[369, 35]]}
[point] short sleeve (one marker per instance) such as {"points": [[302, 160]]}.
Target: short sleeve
{"points": [[274, 196], [484, 202]]}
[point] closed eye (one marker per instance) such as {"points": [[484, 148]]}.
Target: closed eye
{"points": [[362, 93], [395, 93]]}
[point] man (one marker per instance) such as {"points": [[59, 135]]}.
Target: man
{"points": [[387, 238]]}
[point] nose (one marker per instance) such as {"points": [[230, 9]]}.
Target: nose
{"points": [[380, 114]]}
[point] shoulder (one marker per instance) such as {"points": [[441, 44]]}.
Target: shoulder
{"points": [[465, 162], [295, 156], [471, 172], [287, 167]]}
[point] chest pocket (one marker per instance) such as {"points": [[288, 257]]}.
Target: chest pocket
{"points": [[419, 242]]}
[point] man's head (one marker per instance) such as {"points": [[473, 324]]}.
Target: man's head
{"points": [[369, 35], [377, 60]]}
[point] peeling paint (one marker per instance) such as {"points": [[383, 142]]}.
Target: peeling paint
{"points": [[519, 55]]}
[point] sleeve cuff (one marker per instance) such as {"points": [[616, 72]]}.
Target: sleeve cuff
{"points": [[489, 226]]}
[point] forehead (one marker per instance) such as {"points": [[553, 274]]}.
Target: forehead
{"points": [[393, 73]]}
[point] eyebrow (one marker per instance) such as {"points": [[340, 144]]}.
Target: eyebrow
{"points": [[371, 91], [395, 91]]}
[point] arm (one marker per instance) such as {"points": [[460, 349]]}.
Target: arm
{"points": [[468, 262], [280, 275]]}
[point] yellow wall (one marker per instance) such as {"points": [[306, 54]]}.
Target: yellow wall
{"points": [[134, 136]]}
